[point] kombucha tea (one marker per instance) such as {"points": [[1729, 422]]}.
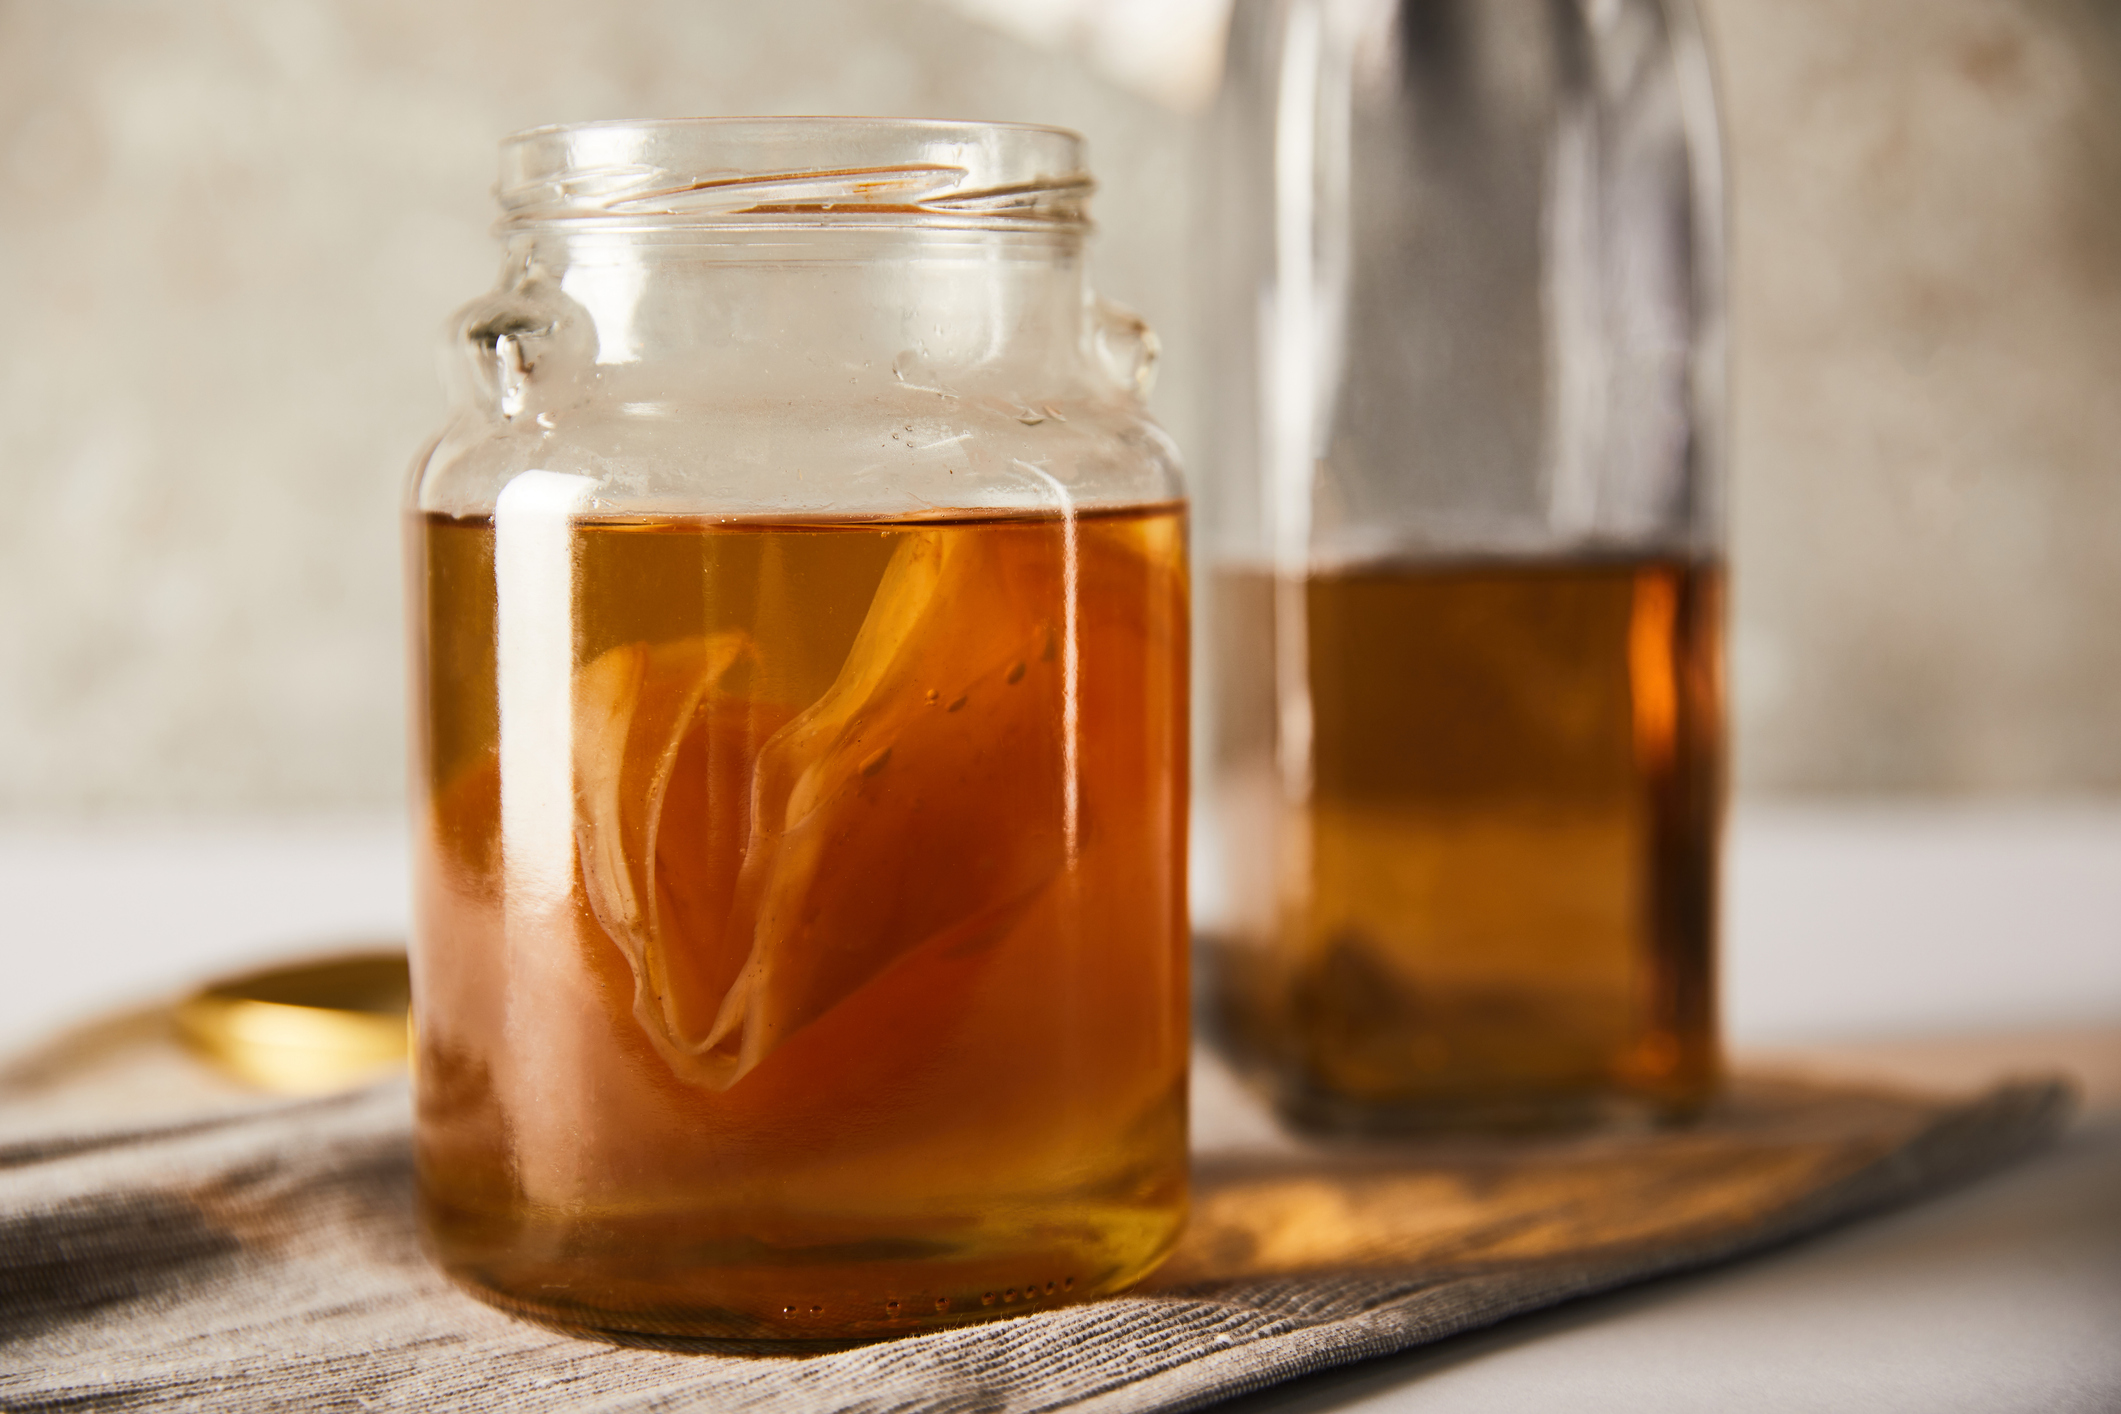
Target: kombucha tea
{"points": [[801, 916], [1483, 891]]}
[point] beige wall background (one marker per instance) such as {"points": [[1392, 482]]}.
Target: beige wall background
{"points": [[230, 231], [1926, 320]]}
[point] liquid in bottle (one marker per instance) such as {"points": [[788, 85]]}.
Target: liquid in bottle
{"points": [[1480, 851]]}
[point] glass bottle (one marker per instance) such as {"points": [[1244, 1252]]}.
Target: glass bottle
{"points": [[800, 628], [1464, 531]]}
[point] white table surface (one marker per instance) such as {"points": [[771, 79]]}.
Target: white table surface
{"points": [[1842, 923]]}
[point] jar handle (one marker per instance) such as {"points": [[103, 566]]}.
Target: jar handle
{"points": [[491, 341], [1126, 347]]}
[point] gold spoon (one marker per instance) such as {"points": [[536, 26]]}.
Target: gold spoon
{"points": [[305, 1029]]}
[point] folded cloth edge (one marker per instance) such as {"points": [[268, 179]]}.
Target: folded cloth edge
{"points": [[1992, 1131]]}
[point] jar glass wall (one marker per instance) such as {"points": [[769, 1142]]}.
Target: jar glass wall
{"points": [[800, 620]]}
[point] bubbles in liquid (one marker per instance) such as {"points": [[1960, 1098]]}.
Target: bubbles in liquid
{"points": [[942, 1303], [892, 1307], [987, 1300]]}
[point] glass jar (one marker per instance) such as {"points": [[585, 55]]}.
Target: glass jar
{"points": [[800, 629], [1466, 588]]}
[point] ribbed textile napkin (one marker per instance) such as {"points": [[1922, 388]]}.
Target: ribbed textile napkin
{"points": [[262, 1256]]}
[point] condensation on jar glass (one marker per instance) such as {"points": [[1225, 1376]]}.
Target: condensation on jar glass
{"points": [[1464, 534], [800, 630]]}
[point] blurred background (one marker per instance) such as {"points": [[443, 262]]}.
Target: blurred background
{"points": [[231, 230]]}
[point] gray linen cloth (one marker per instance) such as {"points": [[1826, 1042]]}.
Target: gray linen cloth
{"points": [[165, 1244]]}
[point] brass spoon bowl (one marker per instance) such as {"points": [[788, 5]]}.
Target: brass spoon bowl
{"points": [[306, 1029]]}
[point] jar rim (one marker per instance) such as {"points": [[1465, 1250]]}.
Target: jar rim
{"points": [[808, 171]]}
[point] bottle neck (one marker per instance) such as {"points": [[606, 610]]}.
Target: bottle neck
{"points": [[646, 314]]}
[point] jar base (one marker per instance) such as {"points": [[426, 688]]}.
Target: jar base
{"points": [[646, 1294], [703, 1330]]}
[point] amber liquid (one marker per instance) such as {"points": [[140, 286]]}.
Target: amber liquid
{"points": [[801, 917], [1488, 890]]}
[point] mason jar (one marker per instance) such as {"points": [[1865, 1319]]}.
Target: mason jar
{"points": [[1464, 524], [799, 617]]}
